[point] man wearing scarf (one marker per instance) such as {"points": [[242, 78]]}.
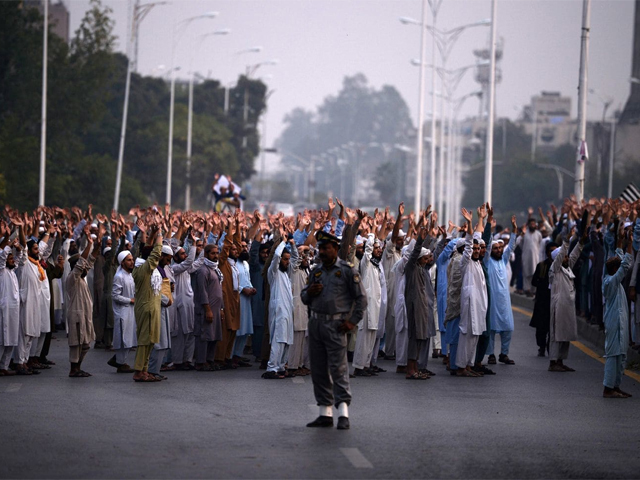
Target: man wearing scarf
{"points": [[147, 305], [123, 299], [80, 308], [246, 318], [231, 293], [34, 306], [209, 309]]}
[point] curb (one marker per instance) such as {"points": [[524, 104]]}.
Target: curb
{"points": [[589, 334]]}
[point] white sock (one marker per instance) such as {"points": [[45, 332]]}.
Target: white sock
{"points": [[326, 411], [343, 410]]}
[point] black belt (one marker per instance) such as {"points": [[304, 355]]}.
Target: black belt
{"points": [[327, 317]]}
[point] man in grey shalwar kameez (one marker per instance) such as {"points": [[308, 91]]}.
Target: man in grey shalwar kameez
{"points": [[209, 309], [122, 296], [563, 327]]}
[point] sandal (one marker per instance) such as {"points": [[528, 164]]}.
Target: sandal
{"points": [[272, 376], [461, 372], [415, 376], [79, 374], [205, 368]]}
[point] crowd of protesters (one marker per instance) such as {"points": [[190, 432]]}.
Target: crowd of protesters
{"points": [[171, 291]]}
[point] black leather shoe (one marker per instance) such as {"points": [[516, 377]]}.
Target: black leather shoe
{"points": [[324, 421], [343, 423]]}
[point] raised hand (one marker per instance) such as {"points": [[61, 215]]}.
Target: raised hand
{"points": [[514, 224], [468, 216]]}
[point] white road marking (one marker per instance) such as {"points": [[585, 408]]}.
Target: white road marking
{"points": [[13, 387], [297, 380], [357, 459]]}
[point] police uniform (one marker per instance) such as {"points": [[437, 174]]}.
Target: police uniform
{"points": [[342, 289]]}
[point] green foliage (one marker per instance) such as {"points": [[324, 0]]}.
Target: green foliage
{"points": [[85, 101]]}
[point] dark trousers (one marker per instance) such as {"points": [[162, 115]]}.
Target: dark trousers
{"points": [[483, 344], [328, 358]]}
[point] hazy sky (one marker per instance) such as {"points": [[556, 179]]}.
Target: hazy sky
{"points": [[319, 42]]}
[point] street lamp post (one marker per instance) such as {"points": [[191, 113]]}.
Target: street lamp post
{"points": [[175, 39], [582, 97], [612, 149], [488, 171], [43, 128], [139, 13]]}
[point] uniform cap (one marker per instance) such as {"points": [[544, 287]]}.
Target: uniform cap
{"points": [[325, 237]]}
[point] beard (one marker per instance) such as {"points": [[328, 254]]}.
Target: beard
{"points": [[359, 255], [496, 256], [244, 256], [283, 268]]}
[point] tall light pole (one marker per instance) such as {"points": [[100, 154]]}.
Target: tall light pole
{"points": [[43, 129], [192, 74], [488, 167], [420, 134], [174, 41], [582, 99], [139, 12], [612, 150]]}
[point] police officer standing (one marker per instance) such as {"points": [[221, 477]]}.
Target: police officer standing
{"points": [[332, 290]]}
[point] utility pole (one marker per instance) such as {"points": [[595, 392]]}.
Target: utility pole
{"points": [[582, 100]]}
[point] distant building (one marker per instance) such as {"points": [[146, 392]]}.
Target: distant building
{"points": [[548, 120], [58, 16]]}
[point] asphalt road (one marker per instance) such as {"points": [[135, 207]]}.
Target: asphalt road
{"points": [[523, 422]]}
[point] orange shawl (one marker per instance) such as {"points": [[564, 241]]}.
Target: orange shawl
{"points": [[43, 275]]}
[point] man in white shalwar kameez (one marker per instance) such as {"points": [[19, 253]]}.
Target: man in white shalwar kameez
{"points": [[400, 308], [34, 305], [124, 319], [531, 244], [280, 308], [246, 312], [9, 302], [370, 273], [299, 351], [473, 299]]}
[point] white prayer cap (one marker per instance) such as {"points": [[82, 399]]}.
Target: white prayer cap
{"points": [[41, 229], [405, 250], [94, 225], [122, 255], [481, 242], [139, 261], [41, 222], [505, 236], [106, 249], [401, 233], [424, 252], [499, 242], [167, 250], [359, 240], [178, 249], [555, 253], [93, 236], [627, 224]]}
